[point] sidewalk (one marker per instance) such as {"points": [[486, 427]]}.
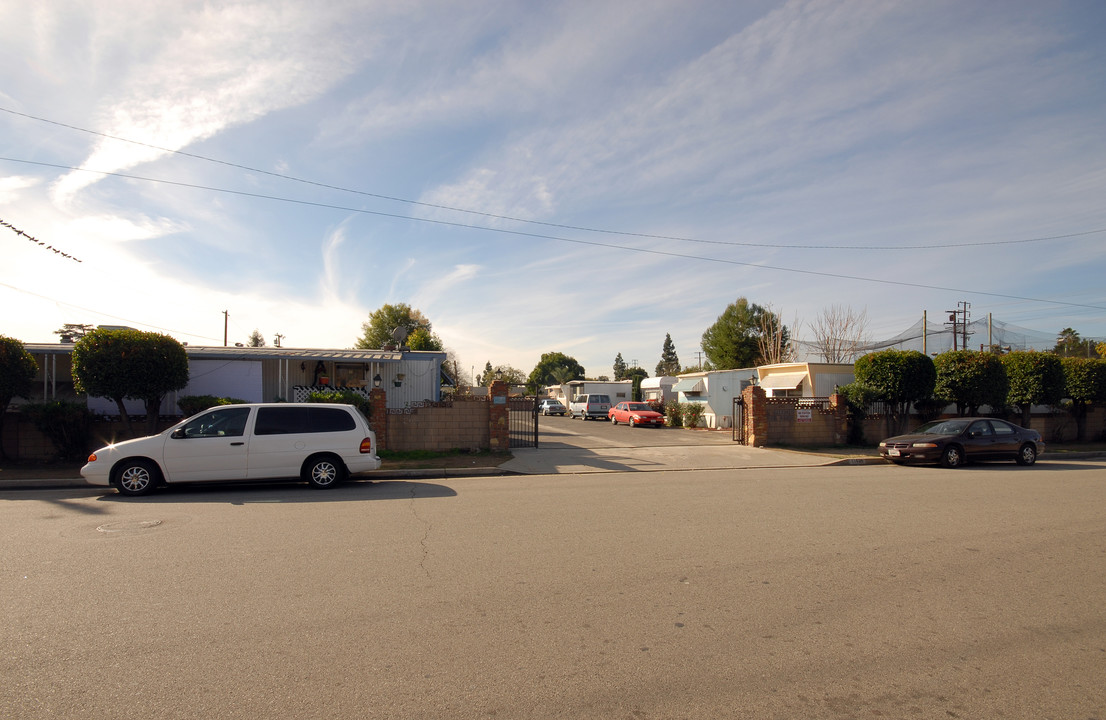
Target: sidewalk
{"points": [[544, 461], [577, 460]]}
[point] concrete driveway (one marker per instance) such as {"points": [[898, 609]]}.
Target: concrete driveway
{"points": [[579, 446]]}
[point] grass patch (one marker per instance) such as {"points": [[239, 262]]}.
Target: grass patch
{"points": [[457, 457]]}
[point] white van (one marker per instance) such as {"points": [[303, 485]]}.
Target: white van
{"points": [[590, 407], [320, 443]]}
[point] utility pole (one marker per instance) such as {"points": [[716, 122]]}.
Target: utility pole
{"points": [[226, 320], [959, 320], [964, 305], [277, 339]]}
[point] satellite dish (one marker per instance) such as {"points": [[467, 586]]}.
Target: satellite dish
{"points": [[399, 335]]}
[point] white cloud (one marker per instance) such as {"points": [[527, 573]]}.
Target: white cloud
{"points": [[215, 67]]}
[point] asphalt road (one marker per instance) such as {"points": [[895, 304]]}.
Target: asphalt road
{"points": [[762, 593]]}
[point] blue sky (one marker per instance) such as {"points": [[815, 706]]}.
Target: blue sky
{"points": [[579, 177]]}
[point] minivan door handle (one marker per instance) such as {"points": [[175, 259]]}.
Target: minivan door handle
{"points": [[233, 444]]}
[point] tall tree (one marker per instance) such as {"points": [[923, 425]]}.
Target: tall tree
{"points": [[1035, 378], [377, 330], [554, 367], [17, 374], [619, 368], [971, 379], [422, 339], [72, 332], [122, 364], [636, 375], [256, 339], [670, 362], [1070, 344], [840, 333], [774, 340], [733, 341]]}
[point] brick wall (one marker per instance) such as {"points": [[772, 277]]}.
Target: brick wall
{"points": [[460, 424], [792, 421]]}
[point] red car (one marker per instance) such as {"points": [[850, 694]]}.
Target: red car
{"points": [[635, 414]]}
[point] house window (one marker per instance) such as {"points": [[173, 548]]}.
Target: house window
{"points": [[349, 375]]}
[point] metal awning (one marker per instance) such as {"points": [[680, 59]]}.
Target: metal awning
{"points": [[690, 385], [782, 381]]}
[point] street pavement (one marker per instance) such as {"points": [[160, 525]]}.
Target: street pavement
{"points": [[577, 447]]}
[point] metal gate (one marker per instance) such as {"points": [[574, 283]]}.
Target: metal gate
{"points": [[739, 420], [523, 417]]}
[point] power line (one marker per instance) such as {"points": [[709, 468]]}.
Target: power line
{"points": [[103, 314], [592, 243], [561, 226]]}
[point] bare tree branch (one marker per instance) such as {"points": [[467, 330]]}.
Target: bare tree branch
{"points": [[840, 333]]}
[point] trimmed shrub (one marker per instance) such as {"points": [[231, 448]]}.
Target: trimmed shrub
{"points": [[193, 404], [346, 397]]}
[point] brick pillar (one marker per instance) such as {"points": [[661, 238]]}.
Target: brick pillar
{"points": [[756, 413], [840, 419], [379, 409], [499, 418]]}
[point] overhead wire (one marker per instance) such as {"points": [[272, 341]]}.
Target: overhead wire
{"points": [[561, 226], [523, 233]]}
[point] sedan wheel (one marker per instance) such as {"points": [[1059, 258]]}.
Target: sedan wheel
{"points": [[952, 457], [614, 420], [136, 477], [1027, 455]]}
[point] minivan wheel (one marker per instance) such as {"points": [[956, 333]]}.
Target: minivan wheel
{"points": [[324, 471], [135, 477], [1027, 455]]}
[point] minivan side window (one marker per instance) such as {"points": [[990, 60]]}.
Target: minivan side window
{"points": [[224, 422], [289, 420]]}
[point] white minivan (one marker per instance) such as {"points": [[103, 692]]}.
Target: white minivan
{"points": [[320, 443]]}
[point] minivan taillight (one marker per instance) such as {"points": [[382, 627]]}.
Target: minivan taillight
{"points": [[367, 446]]}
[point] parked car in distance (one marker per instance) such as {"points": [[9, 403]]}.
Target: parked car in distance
{"points": [[319, 443], [590, 406], [957, 441], [551, 407], [635, 414]]}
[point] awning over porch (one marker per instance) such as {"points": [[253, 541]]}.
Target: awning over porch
{"points": [[782, 381], [690, 385]]}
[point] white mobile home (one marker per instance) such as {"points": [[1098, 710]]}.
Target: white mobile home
{"points": [[715, 390], [658, 389], [803, 379]]}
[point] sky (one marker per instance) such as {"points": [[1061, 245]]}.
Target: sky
{"points": [[578, 177]]}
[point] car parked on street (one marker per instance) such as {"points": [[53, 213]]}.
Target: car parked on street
{"points": [[320, 443], [635, 414], [590, 406], [551, 407], [957, 441]]}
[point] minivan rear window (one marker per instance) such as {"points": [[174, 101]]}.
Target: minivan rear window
{"points": [[291, 419]]}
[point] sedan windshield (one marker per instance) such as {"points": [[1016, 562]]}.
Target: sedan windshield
{"points": [[943, 427], [638, 407]]}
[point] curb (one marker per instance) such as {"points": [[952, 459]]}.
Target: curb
{"points": [[374, 475]]}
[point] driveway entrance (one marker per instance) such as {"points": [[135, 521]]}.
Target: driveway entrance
{"points": [[587, 446]]}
